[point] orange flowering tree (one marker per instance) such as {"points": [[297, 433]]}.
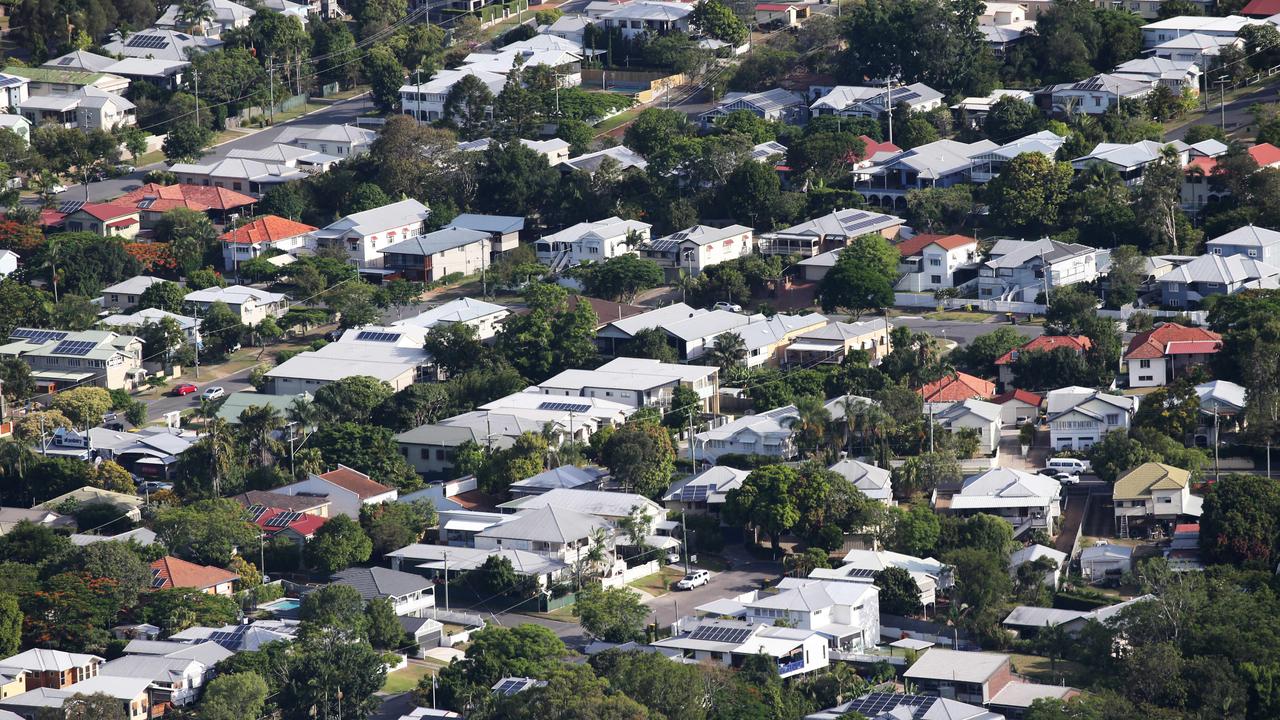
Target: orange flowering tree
{"points": [[153, 256]]}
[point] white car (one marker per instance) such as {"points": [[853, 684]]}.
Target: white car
{"points": [[731, 307], [694, 579], [57, 188], [673, 558], [1067, 478], [212, 393]]}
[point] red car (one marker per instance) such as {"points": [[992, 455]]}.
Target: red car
{"points": [[184, 389]]}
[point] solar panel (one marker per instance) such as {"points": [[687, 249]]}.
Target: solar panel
{"points": [[37, 336], [255, 512], [230, 640], [67, 207], [6, 81], [157, 582], [720, 633], [374, 336], [564, 407], [861, 573], [74, 347], [148, 42], [876, 704], [283, 519], [694, 493], [510, 687], [66, 61]]}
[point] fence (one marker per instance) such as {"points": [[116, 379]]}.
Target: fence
{"points": [[895, 626], [648, 85], [631, 574], [927, 300]]}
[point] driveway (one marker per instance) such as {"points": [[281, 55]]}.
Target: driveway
{"points": [[741, 578], [235, 382]]}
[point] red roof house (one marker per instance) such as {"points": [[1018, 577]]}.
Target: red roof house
{"points": [[269, 231], [916, 245], [1079, 344], [957, 388], [105, 219], [298, 526], [1261, 8], [1158, 355], [171, 572], [154, 200], [1018, 406]]}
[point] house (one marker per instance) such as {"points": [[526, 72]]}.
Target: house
{"points": [[973, 111], [1079, 417], [162, 73], [932, 262], [556, 532], [224, 15], [132, 694], [296, 527], [1022, 269], [483, 317], [1026, 501], [955, 388], [637, 17], [13, 90], [1028, 621], [988, 165], [149, 452], [433, 560], [613, 507], [1130, 160], [704, 492], [1005, 364], [1004, 24], [861, 566], [142, 536], [174, 680], [1018, 407], [85, 109], [591, 413], [425, 101], [902, 706], [1178, 75], [776, 105], [871, 102], [269, 232], [619, 324], [391, 354], [1214, 26], [305, 504], [1188, 285], [1157, 356], [971, 677], [1035, 553], [432, 448], [833, 230], [427, 633], [767, 433], [1202, 185], [730, 642], [251, 304], [1097, 94], [977, 415], [343, 140], [637, 382], [161, 44], [567, 27], [833, 341], [780, 14], [874, 482], [154, 200], [245, 637], [50, 81], [504, 230], [594, 241], [764, 339], [88, 494], [620, 156], [567, 477], [846, 614], [1153, 492], [51, 668], [429, 258], [697, 248], [411, 595], [1248, 241], [254, 171], [170, 572], [11, 516], [1105, 561], [347, 490], [105, 219], [59, 358], [125, 294], [8, 263], [939, 164], [1201, 49], [365, 235]]}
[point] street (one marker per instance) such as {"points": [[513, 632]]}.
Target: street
{"points": [[961, 332], [234, 382], [1235, 115], [745, 576], [345, 111]]}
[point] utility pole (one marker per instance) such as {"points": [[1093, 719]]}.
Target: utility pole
{"points": [[271, 92], [685, 529], [446, 580], [195, 74], [888, 103], [1217, 473], [1222, 105]]}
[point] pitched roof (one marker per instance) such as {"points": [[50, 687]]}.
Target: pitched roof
{"points": [[1261, 8], [956, 665], [1172, 339], [44, 659], [355, 481], [1247, 236], [1227, 269], [549, 523], [171, 572], [159, 198], [266, 498], [1046, 343], [954, 388], [107, 211], [1138, 483], [971, 406], [268, 228], [1020, 395], [379, 582], [914, 246]]}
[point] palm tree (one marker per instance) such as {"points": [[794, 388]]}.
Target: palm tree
{"points": [[194, 14], [809, 425], [259, 425], [854, 410], [728, 350], [221, 445]]}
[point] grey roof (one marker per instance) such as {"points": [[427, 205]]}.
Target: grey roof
{"points": [[546, 524], [459, 310], [378, 219], [80, 60], [434, 434], [768, 101], [938, 159], [377, 582], [1247, 236], [209, 653], [1106, 552], [431, 557], [957, 666], [699, 235], [146, 67], [844, 223], [705, 325], [437, 242], [864, 476], [1016, 253], [158, 668], [238, 402], [146, 316], [623, 155], [488, 223], [900, 706], [985, 410], [142, 536], [160, 43], [599, 503], [1124, 155], [565, 476], [1229, 269], [1221, 395], [1039, 617]]}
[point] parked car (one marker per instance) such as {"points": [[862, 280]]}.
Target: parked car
{"points": [[151, 486], [693, 579], [212, 393], [1070, 465], [731, 307], [57, 188], [183, 389], [1067, 478], [673, 557]]}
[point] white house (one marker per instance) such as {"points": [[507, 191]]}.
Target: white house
{"points": [[846, 614], [988, 165], [393, 355], [224, 15], [1095, 95], [620, 156], [434, 256], [426, 101], [870, 102], [88, 108], [641, 16], [251, 304], [267, 232], [1025, 500], [1201, 49], [728, 642], [552, 531], [874, 482], [706, 491], [364, 235], [775, 105], [177, 680], [637, 382], [1159, 355], [1080, 417], [1154, 492], [161, 44], [1105, 561], [930, 262], [483, 317], [834, 230], [978, 415], [699, 247], [591, 241], [15, 89], [126, 293], [861, 566], [612, 507], [1032, 553], [341, 140], [768, 433], [347, 490], [1177, 75], [1163, 31], [411, 595], [8, 263], [1022, 269]]}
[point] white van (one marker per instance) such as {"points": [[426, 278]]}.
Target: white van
{"points": [[1074, 466]]}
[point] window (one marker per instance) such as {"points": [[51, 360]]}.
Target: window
{"points": [[1113, 418], [1145, 378], [935, 279], [1253, 252], [424, 453], [439, 453], [1165, 499], [1144, 364], [936, 262], [1216, 251]]}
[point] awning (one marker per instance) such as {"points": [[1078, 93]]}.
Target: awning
{"points": [[662, 542], [814, 347], [458, 525], [55, 376]]}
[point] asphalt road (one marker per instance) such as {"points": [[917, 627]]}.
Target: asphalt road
{"points": [[742, 577], [345, 111], [961, 332], [1235, 116], [234, 382]]}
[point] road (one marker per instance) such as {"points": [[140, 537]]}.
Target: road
{"points": [[234, 382], [745, 576], [345, 111], [1236, 112]]}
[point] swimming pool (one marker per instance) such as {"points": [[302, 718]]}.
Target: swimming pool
{"points": [[281, 605]]}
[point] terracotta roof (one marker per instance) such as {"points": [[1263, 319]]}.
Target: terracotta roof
{"points": [[171, 572], [305, 525], [1025, 396], [1045, 343], [357, 482], [154, 197], [913, 246], [123, 222], [474, 500], [1261, 8], [957, 388], [1265, 154], [107, 211], [1173, 339], [606, 310], [268, 228]]}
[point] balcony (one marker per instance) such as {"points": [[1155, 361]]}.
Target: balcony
{"points": [[790, 668]]}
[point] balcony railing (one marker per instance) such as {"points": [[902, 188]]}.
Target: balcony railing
{"points": [[790, 667]]}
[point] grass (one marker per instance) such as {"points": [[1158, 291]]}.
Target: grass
{"points": [[658, 583], [348, 94], [406, 678], [959, 315], [564, 614], [619, 120], [1039, 669]]}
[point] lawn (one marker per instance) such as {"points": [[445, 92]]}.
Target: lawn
{"points": [[658, 583], [1038, 668], [959, 316], [618, 120], [406, 678]]}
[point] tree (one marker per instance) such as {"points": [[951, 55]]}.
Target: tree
{"points": [[353, 303], [982, 532], [98, 706], [221, 330], [367, 449], [913, 531], [496, 652], [382, 624], [385, 76], [391, 526], [334, 607], [714, 18], [764, 501], [16, 381], [109, 475], [84, 406], [337, 545], [514, 176], [352, 399], [672, 689], [469, 104], [1116, 454], [71, 610], [185, 142], [1027, 194], [727, 351], [319, 666], [925, 41], [855, 287], [648, 343], [1010, 118], [1156, 205], [10, 625], [611, 614], [655, 130], [190, 234], [641, 457], [1240, 520], [978, 357], [233, 696], [164, 295], [619, 278], [899, 594], [981, 581], [206, 532]]}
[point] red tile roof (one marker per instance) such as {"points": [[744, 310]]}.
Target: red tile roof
{"points": [[1173, 339], [1261, 8], [108, 211], [957, 388], [268, 228], [914, 246], [1045, 343], [305, 525], [1265, 154], [159, 198], [123, 222], [178, 573], [872, 147], [357, 482], [1020, 395]]}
